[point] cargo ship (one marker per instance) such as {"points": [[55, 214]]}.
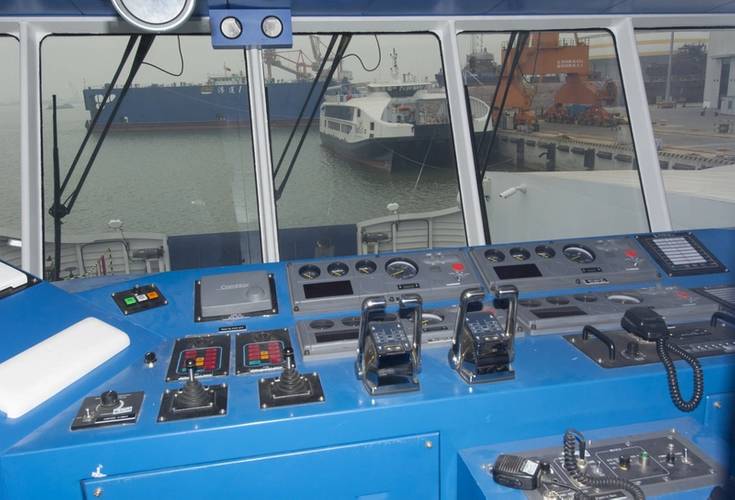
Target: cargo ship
{"points": [[220, 102]]}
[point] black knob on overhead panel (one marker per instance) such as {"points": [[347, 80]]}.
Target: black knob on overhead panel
{"points": [[109, 398], [150, 358]]}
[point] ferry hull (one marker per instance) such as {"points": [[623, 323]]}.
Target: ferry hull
{"points": [[430, 146]]}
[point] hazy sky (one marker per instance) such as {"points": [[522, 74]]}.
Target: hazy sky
{"points": [[69, 63]]}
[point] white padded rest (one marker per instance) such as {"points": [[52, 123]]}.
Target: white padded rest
{"points": [[36, 374], [11, 277]]}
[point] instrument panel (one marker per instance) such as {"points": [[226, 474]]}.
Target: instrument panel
{"points": [[341, 284], [565, 264]]}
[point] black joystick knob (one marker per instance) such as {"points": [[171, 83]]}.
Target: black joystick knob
{"points": [[632, 349], [109, 398]]}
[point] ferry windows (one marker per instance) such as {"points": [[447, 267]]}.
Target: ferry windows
{"points": [[690, 85], [10, 225], [173, 184], [558, 161], [376, 169]]}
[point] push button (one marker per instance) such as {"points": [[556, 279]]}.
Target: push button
{"points": [[129, 301]]}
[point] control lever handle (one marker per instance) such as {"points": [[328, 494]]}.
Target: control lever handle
{"points": [[414, 302], [611, 350], [190, 369], [467, 297], [369, 306], [509, 293]]}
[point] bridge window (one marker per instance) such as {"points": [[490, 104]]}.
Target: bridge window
{"points": [[9, 152], [690, 85], [385, 181], [173, 184], [556, 158]]}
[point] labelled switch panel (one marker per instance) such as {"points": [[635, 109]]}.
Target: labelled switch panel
{"points": [[139, 299], [659, 463], [259, 351], [681, 254], [109, 408], [620, 348], [211, 355]]}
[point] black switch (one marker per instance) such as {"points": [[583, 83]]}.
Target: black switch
{"points": [[109, 399]]}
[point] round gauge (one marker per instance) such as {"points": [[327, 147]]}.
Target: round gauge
{"points": [[494, 255], [365, 266], [309, 272], [624, 298], [579, 254], [351, 321], [337, 269], [585, 297], [519, 253], [557, 301], [401, 269], [545, 251], [529, 302], [321, 324]]}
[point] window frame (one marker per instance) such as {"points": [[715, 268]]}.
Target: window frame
{"points": [[31, 30]]}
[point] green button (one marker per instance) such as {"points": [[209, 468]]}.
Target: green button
{"points": [[129, 301]]}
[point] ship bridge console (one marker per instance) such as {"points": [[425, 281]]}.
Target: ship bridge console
{"points": [[231, 266]]}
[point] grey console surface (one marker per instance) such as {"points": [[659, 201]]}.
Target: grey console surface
{"points": [[341, 284], [603, 310], [565, 264]]}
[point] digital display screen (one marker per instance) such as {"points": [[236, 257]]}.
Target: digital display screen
{"points": [[327, 289], [558, 312], [517, 271]]}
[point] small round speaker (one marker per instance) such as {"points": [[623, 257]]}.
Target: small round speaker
{"points": [[155, 15]]}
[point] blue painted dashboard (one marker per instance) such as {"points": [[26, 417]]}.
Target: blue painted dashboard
{"points": [[415, 445]]}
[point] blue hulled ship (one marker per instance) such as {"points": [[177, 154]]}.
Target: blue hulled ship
{"points": [[220, 102]]}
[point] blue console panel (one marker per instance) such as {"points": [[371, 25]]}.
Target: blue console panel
{"points": [[430, 443]]}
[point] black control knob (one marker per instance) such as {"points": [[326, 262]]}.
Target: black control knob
{"points": [[150, 358], [624, 462], [109, 398], [633, 349], [670, 458]]}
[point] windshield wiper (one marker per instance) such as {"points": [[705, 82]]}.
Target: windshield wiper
{"points": [[59, 209], [339, 54], [521, 40]]}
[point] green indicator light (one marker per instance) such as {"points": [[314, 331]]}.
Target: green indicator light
{"points": [[129, 301]]}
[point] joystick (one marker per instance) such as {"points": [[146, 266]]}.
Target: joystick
{"points": [[291, 387], [193, 394], [109, 399], [193, 399]]}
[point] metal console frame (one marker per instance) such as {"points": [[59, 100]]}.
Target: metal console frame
{"points": [[31, 31]]}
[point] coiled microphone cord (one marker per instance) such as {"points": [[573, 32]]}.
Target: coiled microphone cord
{"points": [[570, 465], [662, 349]]}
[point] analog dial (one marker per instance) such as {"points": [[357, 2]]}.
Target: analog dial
{"points": [[519, 253], [494, 255], [401, 269], [579, 254], [545, 251], [337, 269], [309, 272], [365, 266]]}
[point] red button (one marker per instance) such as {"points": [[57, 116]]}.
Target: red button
{"points": [[458, 266], [631, 253], [682, 294]]}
